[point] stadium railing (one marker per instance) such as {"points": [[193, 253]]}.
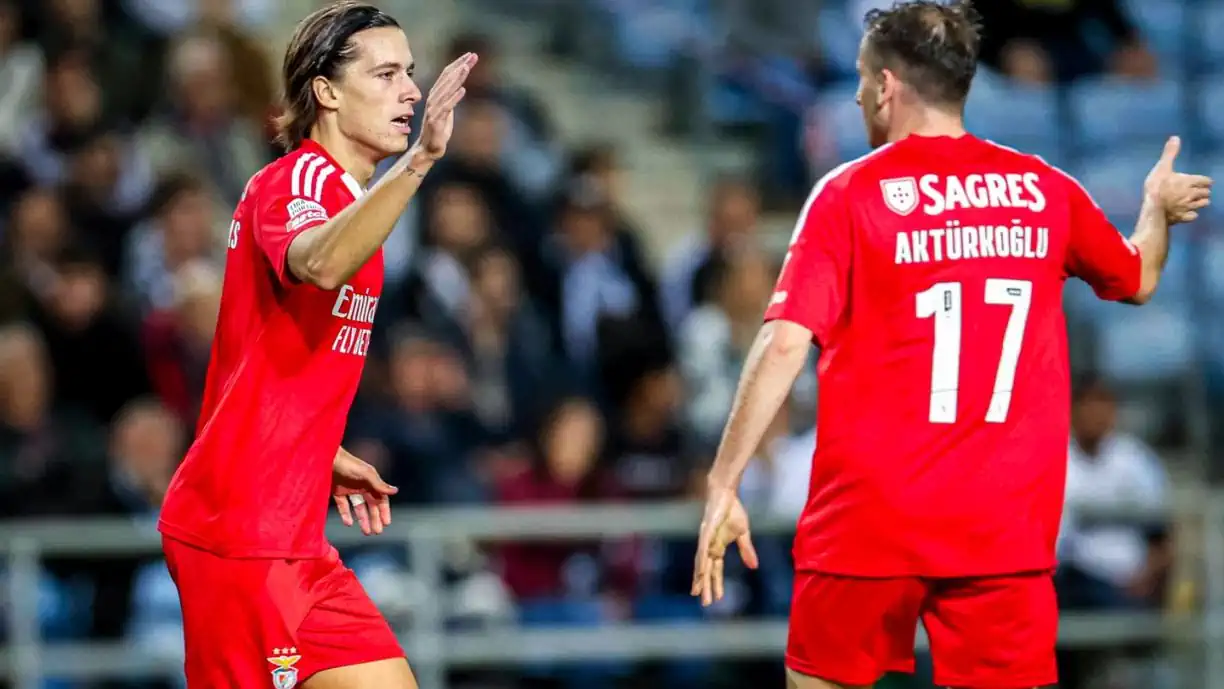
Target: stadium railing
{"points": [[26, 660]]}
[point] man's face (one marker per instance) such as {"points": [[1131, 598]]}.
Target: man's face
{"points": [[1094, 416], [375, 94], [875, 92]]}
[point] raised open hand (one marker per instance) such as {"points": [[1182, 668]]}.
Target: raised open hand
{"points": [[439, 121]]}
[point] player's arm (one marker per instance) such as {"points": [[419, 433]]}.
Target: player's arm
{"points": [[327, 255], [774, 362], [1129, 270], [806, 304]]}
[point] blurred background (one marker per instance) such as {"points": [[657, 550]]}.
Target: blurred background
{"points": [[567, 307]]}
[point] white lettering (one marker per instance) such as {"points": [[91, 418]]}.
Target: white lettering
{"points": [[942, 194], [955, 242]]}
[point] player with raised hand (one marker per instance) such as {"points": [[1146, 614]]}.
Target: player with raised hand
{"points": [[930, 274], [265, 597]]}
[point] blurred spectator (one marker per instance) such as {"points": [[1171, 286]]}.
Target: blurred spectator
{"points": [[106, 189], [507, 345], [178, 339], [565, 470], [437, 287], [474, 160], [1107, 564], [1039, 42], [21, 67], [203, 130], [42, 447], [115, 49], [179, 231], [169, 18], [715, 338], [646, 447], [146, 442], [528, 150], [734, 214], [427, 429], [95, 353], [37, 233], [597, 276]]}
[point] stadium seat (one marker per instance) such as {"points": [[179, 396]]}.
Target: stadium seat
{"points": [[1108, 110], [1115, 180], [1163, 25], [838, 37], [1024, 117], [1208, 28], [1209, 104], [842, 121], [1144, 345]]}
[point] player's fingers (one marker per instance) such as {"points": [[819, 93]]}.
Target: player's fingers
{"points": [[1171, 149], [452, 77], [384, 510], [717, 578], [362, 513], [346, 512], [748, 551], [451, 101], [376, 522]]}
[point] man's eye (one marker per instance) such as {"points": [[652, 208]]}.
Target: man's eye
{"points": [[386, 75]]}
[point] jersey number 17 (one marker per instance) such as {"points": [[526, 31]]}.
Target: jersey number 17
{"points": [[943, 302]]}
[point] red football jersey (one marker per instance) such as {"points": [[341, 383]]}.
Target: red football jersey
{"points": [[931, 274], [286, 361]]}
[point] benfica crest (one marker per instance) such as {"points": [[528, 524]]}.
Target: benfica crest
{"points": [[284, 674], [900, 195]]}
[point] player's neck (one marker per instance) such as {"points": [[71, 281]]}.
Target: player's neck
{"points": [[927, 122], [352, 156]]}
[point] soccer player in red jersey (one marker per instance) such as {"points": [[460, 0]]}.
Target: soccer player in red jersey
{"points": [[930, 275], [265, 598]]}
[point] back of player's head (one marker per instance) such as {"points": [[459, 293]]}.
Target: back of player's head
{"points": [[321, 46], [930, 46]]}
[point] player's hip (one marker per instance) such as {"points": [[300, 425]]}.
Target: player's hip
{"points": [[914, 549]]}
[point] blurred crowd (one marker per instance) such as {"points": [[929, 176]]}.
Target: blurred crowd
{"points": [[526, 350]]}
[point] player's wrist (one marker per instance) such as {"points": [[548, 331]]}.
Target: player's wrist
{"points": [[416, 161]]}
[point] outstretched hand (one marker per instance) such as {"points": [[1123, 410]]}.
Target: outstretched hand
{"points": [[439, 120], [360, 494], [1181, 195], [724, 522]]}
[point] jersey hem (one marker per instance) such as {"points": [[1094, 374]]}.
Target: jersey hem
{"points": [[902, 573], [195, 540]]}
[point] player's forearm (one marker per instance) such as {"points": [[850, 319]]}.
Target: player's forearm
{"points": [[328, 255], [1151, 238], [774, 362]]}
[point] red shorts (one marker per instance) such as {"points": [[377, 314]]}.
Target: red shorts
{"points": [[262, 622], [985, 633]]}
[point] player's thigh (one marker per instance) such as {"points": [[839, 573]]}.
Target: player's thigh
{"points": [[344, 640], [851, 631], [795, 680], [231, 626], [994, 632]]}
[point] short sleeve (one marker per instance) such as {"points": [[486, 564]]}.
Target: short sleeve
{"points": [[811, 289], [1097, 253], [280, 217]]}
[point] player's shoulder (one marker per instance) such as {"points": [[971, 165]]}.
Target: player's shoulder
{"points": [[300, 174], [839, 180], [1026, 162]]}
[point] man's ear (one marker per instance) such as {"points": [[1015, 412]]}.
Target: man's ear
{"points": [[325, 92]]}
